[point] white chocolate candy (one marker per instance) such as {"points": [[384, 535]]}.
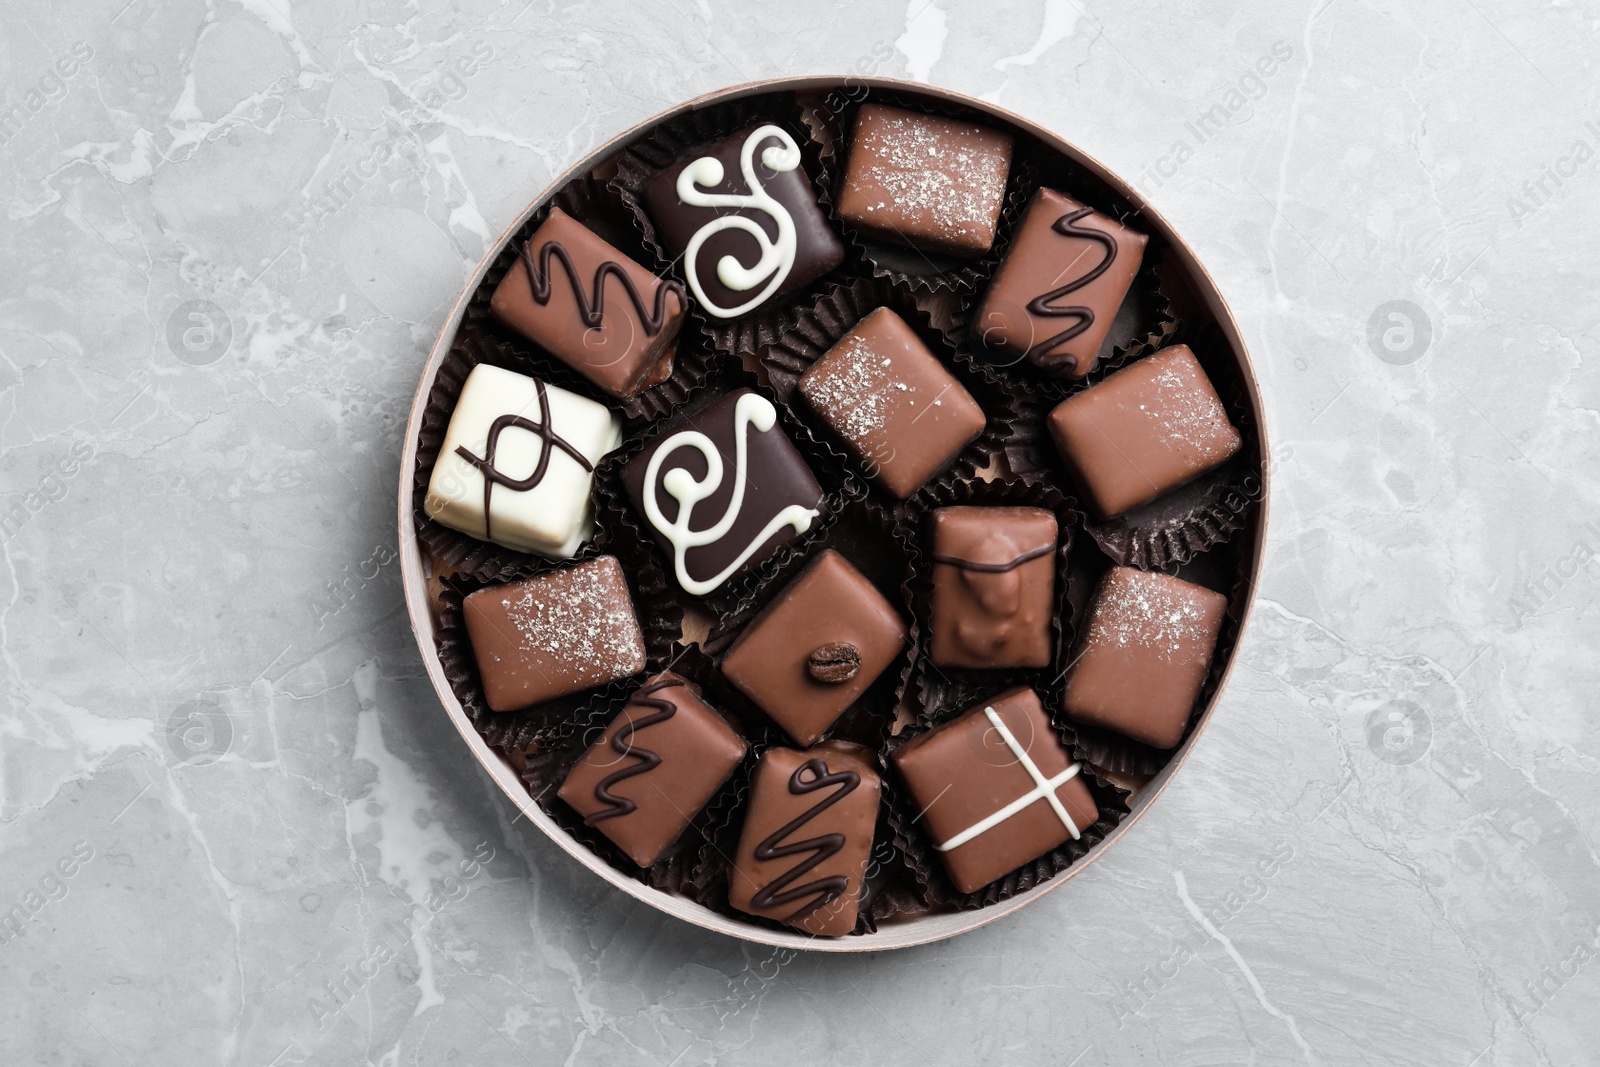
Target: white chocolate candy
{"points": [[517, 463]]}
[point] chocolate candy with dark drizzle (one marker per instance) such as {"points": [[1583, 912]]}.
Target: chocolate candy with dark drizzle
{"points": [[1043, 305], [493, 477], [821, 848], [593, 311], [622, 744], [995, 568]]}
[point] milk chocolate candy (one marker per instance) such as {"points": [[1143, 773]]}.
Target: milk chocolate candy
{"points": [[1145, 655], [1144, 431], [743, 218], [895, 406], [816, 648], [517, 463], [995, 788], [592, 307], [658, 763], [723, 490], [1059, 287], [554, 634], [994, 579], [932, 183], [807, 835]]}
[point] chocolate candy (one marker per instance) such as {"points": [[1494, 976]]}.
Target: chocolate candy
{"points": [[744, 219], [1145, 655], [995, 788], [1060, 285], [932, 183], [592, 307], [816, 648], [806, 838], [659, 762], [994, 579], [892, 402], [517, 463], [723, 490], [1144, 431], [554, 634]]}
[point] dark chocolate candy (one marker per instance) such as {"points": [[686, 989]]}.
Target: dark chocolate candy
{"points": [[659, 762], [933, 183], [723, 490], [554, 634], [806, 838], [1147, 429], [892, 402], [829, 623], [995, 788], [743, 217], [592, 307], [994, 579], [1058, 289], [1144, 655]]}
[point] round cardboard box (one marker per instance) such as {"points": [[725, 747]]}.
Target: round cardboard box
{"points": [[934, 927]]}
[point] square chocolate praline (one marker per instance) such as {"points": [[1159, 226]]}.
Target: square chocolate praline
{"points": [[806, 838], [720, 272], [1144, 431], [756, 497], [963, 774], [593, 308], [994, 580], [816, 648], [1145, 655], [554, 634], [1057, 291], [891, 401], [932, 183], [658, 763]]}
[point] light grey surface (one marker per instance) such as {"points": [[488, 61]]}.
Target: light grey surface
{"points": [[211, 691]]}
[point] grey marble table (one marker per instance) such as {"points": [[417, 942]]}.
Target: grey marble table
{"points": [[237, 828]]}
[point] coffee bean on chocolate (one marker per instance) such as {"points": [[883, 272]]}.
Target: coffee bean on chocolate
{"points": [[834, 663], [791, 661]]}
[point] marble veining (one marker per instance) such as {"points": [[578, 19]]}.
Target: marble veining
{"points": [[235, 825]]}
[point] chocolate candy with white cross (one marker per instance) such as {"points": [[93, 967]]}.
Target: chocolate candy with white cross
{"points": [[995, 788]]}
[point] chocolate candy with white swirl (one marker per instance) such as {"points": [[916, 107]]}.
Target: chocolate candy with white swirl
{"points": [[742, 218], [517, 463], [723, 490]]}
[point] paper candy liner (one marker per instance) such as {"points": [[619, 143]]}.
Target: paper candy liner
{"points": [[660, 621], [1110, 751], [1142, 324], [916, 270], [592, 204], [914, 845], [810, 334], [618, 516], [864, 536], [933, 686], [680, 138]]}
